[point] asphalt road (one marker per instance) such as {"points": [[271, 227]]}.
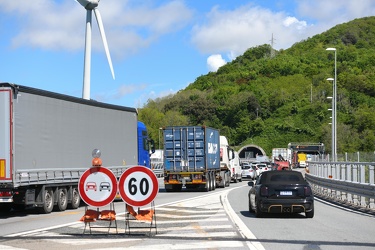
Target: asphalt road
{"points": [[195, 220], [332, 227]]}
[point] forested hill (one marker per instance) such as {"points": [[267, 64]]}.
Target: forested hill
{"points": [[271, 98]]}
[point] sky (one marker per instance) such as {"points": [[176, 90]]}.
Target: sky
{"points": [[158, 47]]}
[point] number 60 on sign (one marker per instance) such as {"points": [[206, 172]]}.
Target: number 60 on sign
{"points": [[138, 186]]}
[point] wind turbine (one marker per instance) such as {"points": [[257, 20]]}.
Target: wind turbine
{"points": [[91, 5]]}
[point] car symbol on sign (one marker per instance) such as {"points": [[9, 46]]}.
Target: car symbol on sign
{"points": [[91, 186], [105, 186]]}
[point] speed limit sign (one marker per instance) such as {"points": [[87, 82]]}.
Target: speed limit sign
{"points": [[138, 186]]}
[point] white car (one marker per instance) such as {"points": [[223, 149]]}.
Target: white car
{"points": [[263, 167], [249, 171]]}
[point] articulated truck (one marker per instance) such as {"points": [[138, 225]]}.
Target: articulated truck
{"points": [[192, 156], [46, 144]]}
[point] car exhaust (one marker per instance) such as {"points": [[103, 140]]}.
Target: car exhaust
{"points": [[286, 210]]}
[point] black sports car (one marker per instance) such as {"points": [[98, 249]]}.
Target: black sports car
{"points": [[281, 192]]}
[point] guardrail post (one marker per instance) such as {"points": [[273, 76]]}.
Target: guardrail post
{"points": [[343, 173], [362, 176], [355, 173], [371, 175], [349, 178], [349, 172]]}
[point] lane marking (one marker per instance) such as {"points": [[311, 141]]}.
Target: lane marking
{"points": [[252, 242]]}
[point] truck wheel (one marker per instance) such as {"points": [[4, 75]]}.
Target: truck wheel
{"points": [[227, 177], [207, 187], [48, 201], [76, 199], [62, 199], [213, 181]]}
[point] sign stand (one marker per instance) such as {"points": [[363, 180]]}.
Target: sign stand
{"points": [[97, 216], [140, 217], [98, 188], [138, 187]]}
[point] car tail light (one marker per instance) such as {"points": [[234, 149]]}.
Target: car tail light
{"points": [[5, 194], [264, 191], [308, 191]]}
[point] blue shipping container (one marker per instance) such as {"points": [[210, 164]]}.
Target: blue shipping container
{"points": [[191, 148]]}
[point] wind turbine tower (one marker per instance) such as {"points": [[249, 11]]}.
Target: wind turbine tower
{"points": [[91, 5]]}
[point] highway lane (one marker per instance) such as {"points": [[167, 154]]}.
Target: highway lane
{"points": [[196, 220], [186, 220], [332, 227], [29, 219]]}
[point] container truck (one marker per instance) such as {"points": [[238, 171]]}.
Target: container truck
{"points": [[235, 168], [300, 150], [226, 157], [47, 140], [285, 153], [192, 158]]}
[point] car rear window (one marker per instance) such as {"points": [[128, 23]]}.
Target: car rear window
{"points": [[283, 176]]}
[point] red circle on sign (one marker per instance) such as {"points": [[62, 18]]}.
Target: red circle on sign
{"points": [[131, 173], [92, 186]]}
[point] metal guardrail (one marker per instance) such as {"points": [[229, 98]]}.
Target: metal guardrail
{"points": [[49, 176], [350, 183]]}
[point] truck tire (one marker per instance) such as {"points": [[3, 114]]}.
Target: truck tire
{"points": [[207, 187], [76, 199], [62, 199], [48, 201], [227, 177], [213, 181]]}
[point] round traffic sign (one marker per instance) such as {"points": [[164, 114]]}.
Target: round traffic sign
{"points": [[138, 186], [97, 186]]}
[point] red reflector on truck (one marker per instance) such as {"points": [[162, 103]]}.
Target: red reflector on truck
{"points": [[5, 194]]}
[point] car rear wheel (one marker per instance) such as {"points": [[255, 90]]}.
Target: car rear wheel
{"points": [[310, 214], [250, 209], [258, 212]]}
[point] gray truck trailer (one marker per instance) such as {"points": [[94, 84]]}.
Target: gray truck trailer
{"points": [[47, 140]]}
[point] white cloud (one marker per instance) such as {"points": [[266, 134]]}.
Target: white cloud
{"points": [[234, 31], [292, 21], [214, 62], [60, 25]]}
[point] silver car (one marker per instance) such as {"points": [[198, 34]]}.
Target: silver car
{"points": [[249, 171]]}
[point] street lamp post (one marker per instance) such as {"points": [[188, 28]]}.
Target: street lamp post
{"points": [[334, 111], [333, 130]]}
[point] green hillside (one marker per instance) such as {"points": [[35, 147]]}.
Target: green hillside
{"points": [[271, 98]]}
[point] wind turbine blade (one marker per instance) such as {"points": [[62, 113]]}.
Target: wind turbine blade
{"points": [[87, 60], [102, 33]]}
